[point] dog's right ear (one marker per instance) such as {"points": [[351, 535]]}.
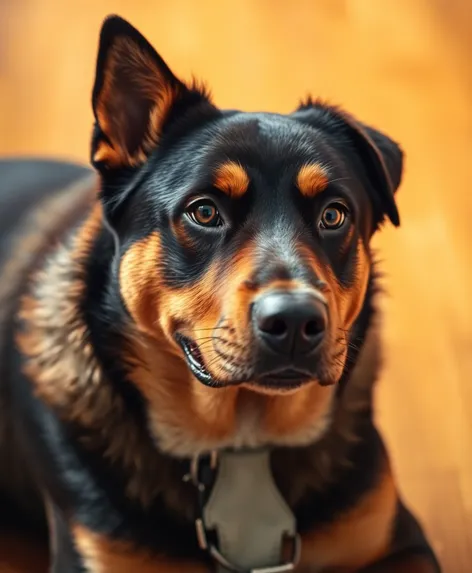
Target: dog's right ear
{"points": [[134, 95]]}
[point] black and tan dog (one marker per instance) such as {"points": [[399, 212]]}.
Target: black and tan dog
{"points": [[189, 342]]}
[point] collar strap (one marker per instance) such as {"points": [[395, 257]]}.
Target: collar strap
{"points": [[244, 522]]}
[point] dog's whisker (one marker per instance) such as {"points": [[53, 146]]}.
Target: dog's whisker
{"points": [[340, 179], [217, 339], [211, 328], [222, 359], [212, 336]]}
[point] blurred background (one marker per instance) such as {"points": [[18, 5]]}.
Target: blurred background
{"points": [[402, 65]]}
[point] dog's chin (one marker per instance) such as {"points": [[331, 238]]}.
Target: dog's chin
{"points": [[276, 387]]}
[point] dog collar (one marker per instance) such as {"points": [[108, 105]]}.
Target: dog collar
{"points": [[243, 523]]}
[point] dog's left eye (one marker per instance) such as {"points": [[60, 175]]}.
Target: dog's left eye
{"points": [[333, 217], [205, 213]]}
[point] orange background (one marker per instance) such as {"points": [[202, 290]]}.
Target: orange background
{"points": [[402, 65]]}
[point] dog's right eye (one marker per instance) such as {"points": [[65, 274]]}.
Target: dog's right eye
{"points": [[204, 212], [333, 217]]}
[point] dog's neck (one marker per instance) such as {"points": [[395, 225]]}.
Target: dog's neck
{"points": [[101, 390]]}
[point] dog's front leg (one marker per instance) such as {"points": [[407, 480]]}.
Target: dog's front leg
{"points": [[408, 562], [410, 551], [77, 549], [63, 553], [379, 537]]}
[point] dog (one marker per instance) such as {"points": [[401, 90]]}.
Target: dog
{"points": [[190, 337]]}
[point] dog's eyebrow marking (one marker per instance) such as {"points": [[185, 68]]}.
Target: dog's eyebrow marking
{"points": [[231, 178], [312, 179]]}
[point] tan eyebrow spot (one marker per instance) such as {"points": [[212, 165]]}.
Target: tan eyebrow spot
{"points": [[312, 179], [231, 178]]}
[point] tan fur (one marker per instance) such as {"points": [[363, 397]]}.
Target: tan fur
{"points": [[182, 412], [139, 282], [184, 238], [312, 179], [195, 307], [231, 178], [102, 555], [359, 537], [187, 418], [148, 79], [354, 297]]}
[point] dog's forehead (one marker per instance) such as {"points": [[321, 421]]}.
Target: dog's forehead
{"points": [[268, 146], [269, 140]]}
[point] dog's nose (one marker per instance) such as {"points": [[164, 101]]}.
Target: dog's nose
{"points": [[290, 322]]}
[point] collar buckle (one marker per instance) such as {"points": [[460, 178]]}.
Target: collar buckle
{"points": [[195, 473]]}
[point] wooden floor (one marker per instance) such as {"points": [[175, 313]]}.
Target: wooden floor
{"points": [[403, 65]]}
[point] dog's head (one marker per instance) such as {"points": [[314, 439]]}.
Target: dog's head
{"points": [[244, 237]]}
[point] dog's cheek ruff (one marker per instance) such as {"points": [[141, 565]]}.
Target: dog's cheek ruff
{"points": [[140, 282], [61, 365], [353, 295]]}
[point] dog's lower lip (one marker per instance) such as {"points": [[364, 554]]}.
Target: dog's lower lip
{"points": [[285, 378], [290, 374]]}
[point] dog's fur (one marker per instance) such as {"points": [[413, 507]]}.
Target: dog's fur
{"points": [[100, 280]]}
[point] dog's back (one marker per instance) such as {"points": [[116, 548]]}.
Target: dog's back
{"points": [[26, 185]]}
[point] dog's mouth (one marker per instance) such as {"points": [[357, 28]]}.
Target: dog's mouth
{"points": [[195, 359], [285, 379]]}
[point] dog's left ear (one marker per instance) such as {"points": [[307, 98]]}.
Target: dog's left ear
{"points": [[381, 156], [134, 96]]}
